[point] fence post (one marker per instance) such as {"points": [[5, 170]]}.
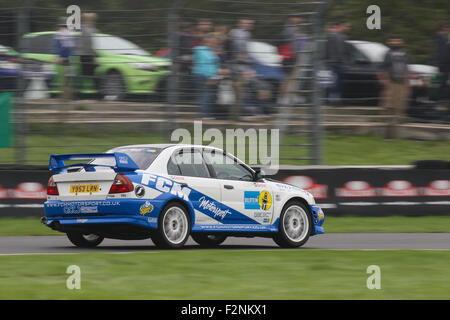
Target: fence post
{"points": [[173, 83], [20, 150]]}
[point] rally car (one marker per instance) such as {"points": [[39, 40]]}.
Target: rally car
{"points": [[168, 192]]}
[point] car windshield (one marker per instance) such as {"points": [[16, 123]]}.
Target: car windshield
{"points": [[143, 156], [116, 45], [372, 50]]}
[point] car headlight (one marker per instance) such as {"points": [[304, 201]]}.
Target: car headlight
{"points": [[143, 66]]}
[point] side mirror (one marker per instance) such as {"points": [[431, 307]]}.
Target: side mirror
{"points": [[259, 174]]}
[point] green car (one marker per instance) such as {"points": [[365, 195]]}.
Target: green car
{"points": [[122, 66]]}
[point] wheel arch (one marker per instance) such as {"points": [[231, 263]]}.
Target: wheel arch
{"points": [[186, 205]]}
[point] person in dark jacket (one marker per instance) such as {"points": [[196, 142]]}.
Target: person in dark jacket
{"points": [[337, 58], [395, 77]]}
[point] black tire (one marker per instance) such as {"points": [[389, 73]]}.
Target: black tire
{"points": [[284, 238], [84, 241], [113, 86], [208, 240], [167, 225]]}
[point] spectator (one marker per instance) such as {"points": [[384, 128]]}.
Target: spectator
{"points": [[289, 50], [86, 49], [395, 79], [206, 69], [239, 39], [442, 57], [337, 58], [64, 45], [204, 27], [186, 39]]}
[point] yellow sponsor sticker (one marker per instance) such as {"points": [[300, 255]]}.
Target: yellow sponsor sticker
{"points": [[145, 208], [265, 200]]}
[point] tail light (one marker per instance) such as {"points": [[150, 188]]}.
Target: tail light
{"points": [[121, 184], [52, 189]]}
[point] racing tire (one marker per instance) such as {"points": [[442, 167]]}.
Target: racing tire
{"points": [[295, 225], [174, 226], [208, 240], [84, 240], [112, 86]]}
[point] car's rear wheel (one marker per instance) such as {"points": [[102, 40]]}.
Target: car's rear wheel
{"points": [[84, 240], [208, 240], [295, 225], [173, 227]]}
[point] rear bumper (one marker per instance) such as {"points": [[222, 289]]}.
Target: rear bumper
{"points": [[62, 215]]}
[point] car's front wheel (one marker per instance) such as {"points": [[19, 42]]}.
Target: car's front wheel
{"points": [[295, 225], [84, 240], [113, 86], [173, 227], [208, 240]]}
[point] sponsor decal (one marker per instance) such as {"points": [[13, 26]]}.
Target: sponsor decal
{"points": [[261, 214], [89, 209], [152, 220], [265, 200], [256, 200], [437, 188], [210, 206], [356, 189], [399, 188], [123, 160], [146, 207], [319, 191], [139, 191], [266, 220], [166, 185], [82, 220], [251, 200]]}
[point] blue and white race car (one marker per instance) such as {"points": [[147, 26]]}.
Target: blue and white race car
{"points": [[167, 192]]}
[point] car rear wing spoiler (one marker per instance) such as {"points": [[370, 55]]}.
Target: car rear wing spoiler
{"points": [[123, 162]]}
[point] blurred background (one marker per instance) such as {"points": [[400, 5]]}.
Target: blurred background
{"points": [[137, 70]]}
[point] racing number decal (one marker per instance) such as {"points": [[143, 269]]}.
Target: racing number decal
{"points": [[265, 200]]}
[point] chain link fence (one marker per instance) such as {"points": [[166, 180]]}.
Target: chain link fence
{"points": [[151, 72]]}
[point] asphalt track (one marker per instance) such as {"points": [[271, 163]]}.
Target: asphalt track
{"points": [[337, 241]]}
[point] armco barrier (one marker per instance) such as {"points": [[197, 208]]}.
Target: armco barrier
{"points": [[358, 190]]}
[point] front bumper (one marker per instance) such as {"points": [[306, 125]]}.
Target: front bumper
{"points": [[318, 218]]}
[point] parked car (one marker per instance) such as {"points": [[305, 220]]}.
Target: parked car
{"points": [[13, 65], [168, 192], [361, 83], [123, 67]]}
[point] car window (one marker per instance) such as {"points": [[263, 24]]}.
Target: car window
{"points": [[226, 167], [191, 164], [116, 45], [143, 156], [172, 168], [39, 44]]}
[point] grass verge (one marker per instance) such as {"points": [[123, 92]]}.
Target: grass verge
{"points": [[229, 274], [338, 149], [32, 227]]}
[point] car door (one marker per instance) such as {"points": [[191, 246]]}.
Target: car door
{"points": [[251, 199], [188, 168]]}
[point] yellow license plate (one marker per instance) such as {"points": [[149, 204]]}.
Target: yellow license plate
{"points": [[84, 188]]}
